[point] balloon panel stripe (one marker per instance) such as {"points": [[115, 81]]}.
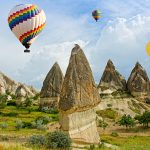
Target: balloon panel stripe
{"points": [[22, 18], [20, 12], [28, 36]]}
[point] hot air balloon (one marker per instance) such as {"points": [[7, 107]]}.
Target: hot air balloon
{"points": [[26, 21], [96, 14], [148, 48]]}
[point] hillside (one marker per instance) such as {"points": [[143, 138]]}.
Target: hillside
{"points": [[9, 86]]}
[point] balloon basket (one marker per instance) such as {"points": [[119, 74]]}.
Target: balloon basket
{"points": [[27, 51]]}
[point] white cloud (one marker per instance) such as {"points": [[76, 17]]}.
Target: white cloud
{"points": [[123, 41], [36, 69]]}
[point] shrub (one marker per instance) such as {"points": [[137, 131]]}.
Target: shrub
{"points": [[38, 140], [114, 134], [92, 147], [28, 102], [102, 124], [3, 101], [45, 119], [107, 113], [109, 105], [33, 124], [11, 114], [11, 103], [27, 125], [4, 125], [19, 124], [49, 110], [58, 139]]}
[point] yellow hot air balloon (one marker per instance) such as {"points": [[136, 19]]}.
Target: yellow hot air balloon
{"points": [[148, 48]]}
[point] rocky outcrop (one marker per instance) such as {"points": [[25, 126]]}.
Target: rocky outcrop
{"points": [[52, 85], [25, 91], [111, 80], [78, 99], [138, 82], [8, 85]]}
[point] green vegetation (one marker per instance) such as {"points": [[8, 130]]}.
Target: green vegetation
{"points": [[128, 143], [127, 121], [144, 119], [37, 140], [58, 139], [114, 134], [30, 123], [108, 113], [3, 101], [103, 124]]}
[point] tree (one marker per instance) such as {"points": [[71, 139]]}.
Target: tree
{"points": [[3, 101], [144, 119], [127, 121]]}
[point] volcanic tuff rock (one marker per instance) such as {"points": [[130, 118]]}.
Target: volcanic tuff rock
{"points": [[138, 82], [52, 84], [25, 91], [78, 98], [111, 79], [79, 90], [7, 85]]}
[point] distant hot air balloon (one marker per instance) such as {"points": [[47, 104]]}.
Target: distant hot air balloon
{"points": [[96, 14], [148, 48], [26, 21]]}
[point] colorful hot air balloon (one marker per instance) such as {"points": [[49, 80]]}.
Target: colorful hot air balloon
{"points": [[96, 14], [148, 48], [26, 21]]}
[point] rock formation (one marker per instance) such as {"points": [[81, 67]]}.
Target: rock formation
{"points": [[8, 85], [24, 91], [111, 80], [78, 99], [138, 82], [52, 84]]}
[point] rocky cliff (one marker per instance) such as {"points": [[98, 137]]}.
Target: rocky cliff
{"points": [[7, 85], [50, 92], [138, 82], [111, 80], [79, 90]]}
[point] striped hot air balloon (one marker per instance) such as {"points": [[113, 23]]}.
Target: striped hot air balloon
{"points": [[26, 21], [96, 14]]}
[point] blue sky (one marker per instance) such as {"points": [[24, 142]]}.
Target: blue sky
{"points": [[121, 35]]}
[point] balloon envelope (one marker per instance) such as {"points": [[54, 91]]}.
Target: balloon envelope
{"points": [[26, 21], [96, 14], [148, 48]]}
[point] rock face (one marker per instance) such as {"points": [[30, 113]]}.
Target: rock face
{"points": [[24, 91], [138, 82], [8, 85], [78, 99], [52, 85], [111, 80]]}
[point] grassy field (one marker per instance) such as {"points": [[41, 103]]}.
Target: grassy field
{"points": [[10, 114], [128, 143], [12, 139]]}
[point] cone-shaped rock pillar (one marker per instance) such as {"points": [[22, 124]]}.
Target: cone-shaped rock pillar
{"points": [[52, 85], [78, 98]]}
